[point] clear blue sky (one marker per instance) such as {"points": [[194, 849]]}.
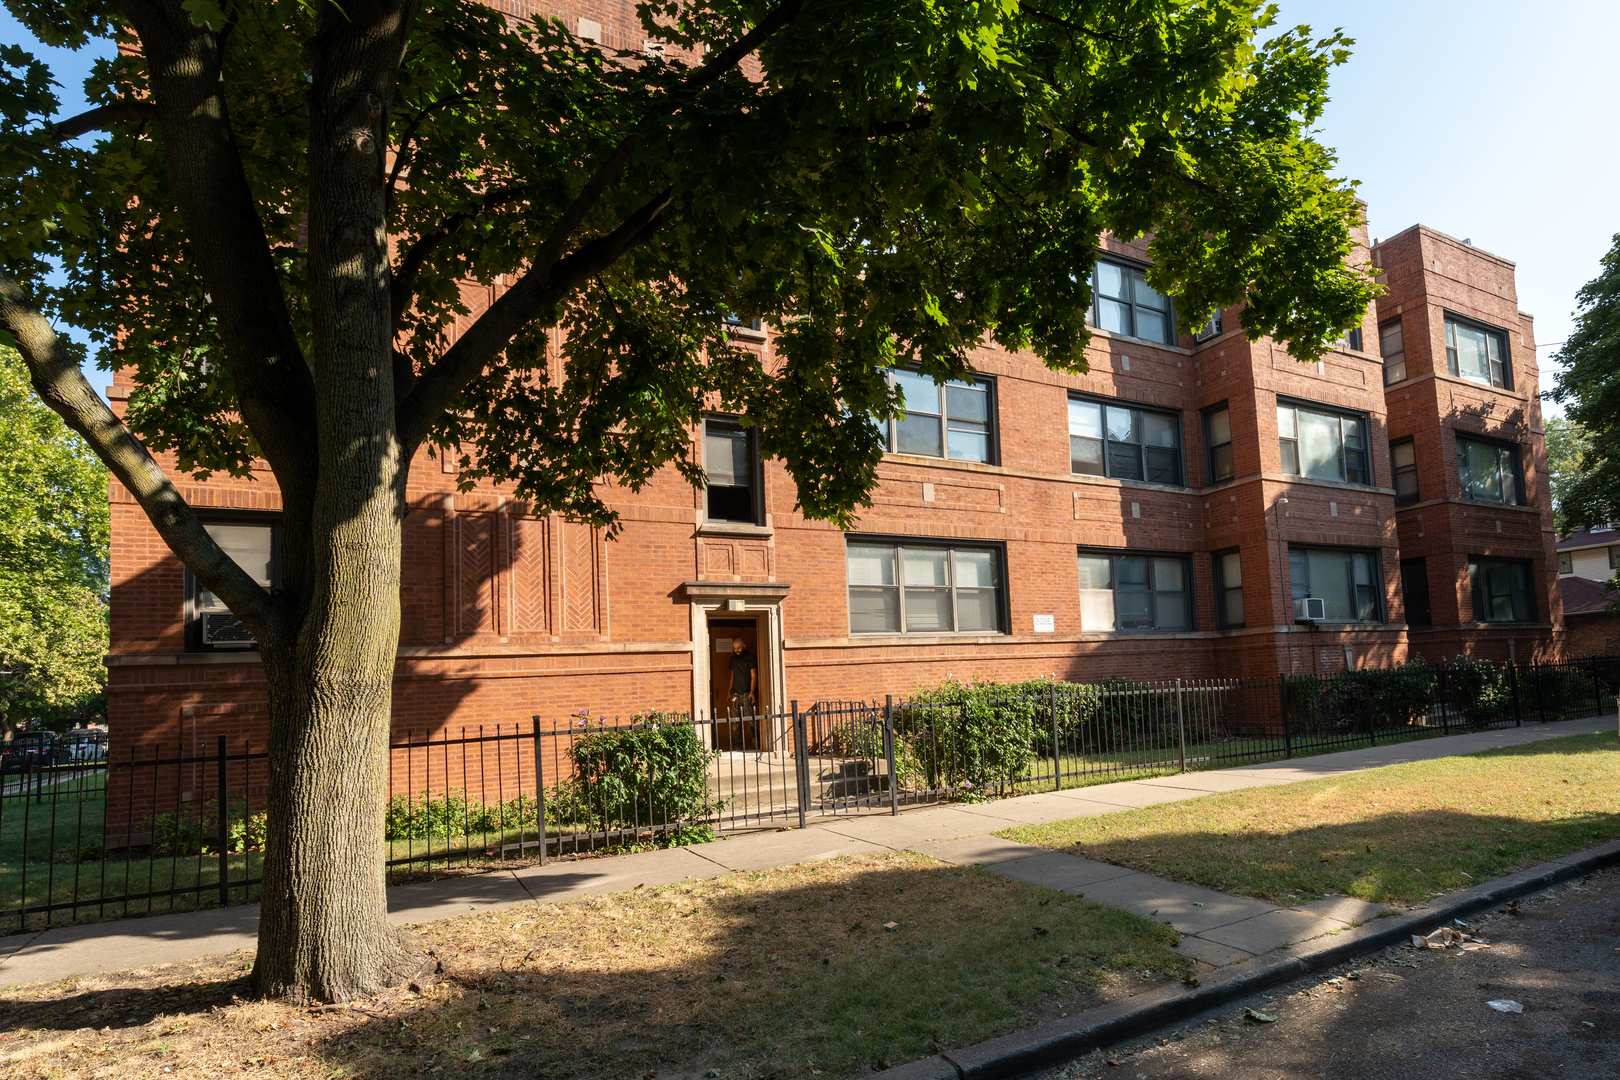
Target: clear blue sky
{"points": [[1486, 119]]}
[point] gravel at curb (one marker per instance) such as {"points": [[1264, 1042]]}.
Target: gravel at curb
{"points": [[1057, 1041]]}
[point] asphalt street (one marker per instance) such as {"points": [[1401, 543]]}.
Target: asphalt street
{"points": [[1407, 1013]]}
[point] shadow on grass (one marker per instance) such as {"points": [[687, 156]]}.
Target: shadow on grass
{"points": [[1395, 835], [790, 971]]}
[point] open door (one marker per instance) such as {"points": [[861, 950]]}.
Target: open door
{"points": [[736, 713]]}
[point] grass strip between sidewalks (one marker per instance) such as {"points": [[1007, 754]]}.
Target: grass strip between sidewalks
{"points": [[787, 972], [1396, 835]]}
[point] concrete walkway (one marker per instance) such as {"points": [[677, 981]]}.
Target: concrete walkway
{"points": [[1217, 929]]}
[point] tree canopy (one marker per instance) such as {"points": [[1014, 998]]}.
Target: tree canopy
{"points": [[1588, 386], [1567, 446], [53, 557], [884, 183]]}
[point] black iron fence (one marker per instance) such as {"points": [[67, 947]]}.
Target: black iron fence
{"points": [[149, 831]]}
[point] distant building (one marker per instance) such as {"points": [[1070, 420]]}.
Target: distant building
{"points": [[1587, 560]]}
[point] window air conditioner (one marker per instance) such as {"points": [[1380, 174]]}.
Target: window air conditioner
{"points": [[1310, 609], [1211, 329], [223, 628]]}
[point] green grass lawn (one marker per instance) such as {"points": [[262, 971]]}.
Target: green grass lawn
{"points": [[832, 968], [1395, 835]]}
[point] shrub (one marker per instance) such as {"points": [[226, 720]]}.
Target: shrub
{"points": [[652, 773], [969, 738], [452, 813]]}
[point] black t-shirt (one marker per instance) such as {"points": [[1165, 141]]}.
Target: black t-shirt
{"points": [[742, 664]]}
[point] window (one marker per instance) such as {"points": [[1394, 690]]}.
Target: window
{"points": [[1322, 445], [1474, 352], [1392, 346], [1489, 471], [731, 463], [255, 547], [1124, 303], [1613, 553], [1125, 443], [1346, 581], [1566, 562], [1403, 457], [1501, 589], [1135, 592], [922, 588], [950, 421], [1218, 437], [1415, 591], [1351, 339], [1228, 589]]}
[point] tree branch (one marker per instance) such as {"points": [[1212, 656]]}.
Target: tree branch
{"points": [[403, 153], [208, 181], [549, 278], [119, 112], [1067, 24], [403, 287], [542, 287], [63, 387], [732, 54]]}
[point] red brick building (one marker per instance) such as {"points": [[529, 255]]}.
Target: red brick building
{"points": [[1176, 511], [1189, 507]]}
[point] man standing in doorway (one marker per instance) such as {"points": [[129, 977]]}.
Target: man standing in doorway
{"points": [[744, 679]]}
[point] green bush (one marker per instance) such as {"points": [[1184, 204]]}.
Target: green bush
{"points": [[652, 774], [192, 832], [970, 738], [452, 813]]}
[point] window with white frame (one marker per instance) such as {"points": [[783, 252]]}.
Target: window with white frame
{"points": [[1124, 303], [1403, 459], [1124, 442], [951, 421], [1347, 582], [1218, 437], [1135, 592], [1322, 444], [1566, 561], [255, 547], [1392, 347], [918, 587], [1228, 589], [1489, 472], [1477, 352]]}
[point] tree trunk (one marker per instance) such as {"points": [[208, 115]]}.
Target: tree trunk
{"points": [[323, 930]]}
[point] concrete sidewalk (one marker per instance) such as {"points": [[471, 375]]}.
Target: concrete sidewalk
{"points": [[1217, 929]]}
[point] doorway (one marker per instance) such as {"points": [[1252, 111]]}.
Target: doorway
{"points": [[736, 727]]}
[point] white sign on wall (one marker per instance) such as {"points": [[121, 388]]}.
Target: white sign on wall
{"points": [[1045, 624]]}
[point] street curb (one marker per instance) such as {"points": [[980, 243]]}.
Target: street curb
{"points": [[1057, 1041]]}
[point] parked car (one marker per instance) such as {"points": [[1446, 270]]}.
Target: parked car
{"points": [[84, 745], [32, 750]]}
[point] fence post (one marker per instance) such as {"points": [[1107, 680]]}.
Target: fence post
{"points": [[801, 762], [1181, 727], [1372, 720], [1541, 708], [888, 752], [1597, 690], [1057, 757], [1288, 727], [540, 793], [1513, 691], [224, 832], [1445, 703]]}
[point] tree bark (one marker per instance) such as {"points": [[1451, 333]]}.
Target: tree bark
{"points": [[323, 927]]}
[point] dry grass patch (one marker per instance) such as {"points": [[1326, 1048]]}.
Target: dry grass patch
{"points": [[787, 972], [1396, 835]]}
